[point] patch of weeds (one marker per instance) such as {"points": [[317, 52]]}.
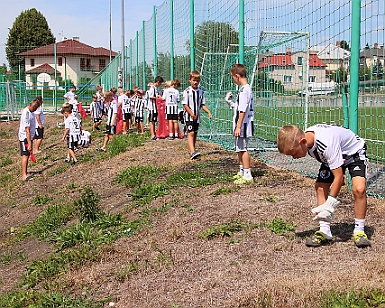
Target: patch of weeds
{"points": [[39, 199], [163, 260], [57, 170], [85, 157], [226, 229], [353, 298], [49, 268], [136, 176], [6, 258], [5, 161], [121, 143], [88, 206], [126, 270], [224, 191], [188, 207], [53, 217], [32, 298], [6, 179], [279, 226], [146, 193], [71, 186], [270, 198]]}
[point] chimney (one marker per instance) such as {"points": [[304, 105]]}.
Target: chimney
{"points": [[76, 38]]}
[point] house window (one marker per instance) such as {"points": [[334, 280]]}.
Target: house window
{"points": [[311, 78], [85, 64], [102, 64], [32, 62], [60, 61], [299, 61], [287, 78]]}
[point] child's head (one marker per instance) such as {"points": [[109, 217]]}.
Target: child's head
{"points": [[140, 93], [34, 104], [66, 111], [66, 104], [120, 91], [238, 72], [108, 96], [73, 89], [167, 84], [94, 97], [99, 89], [175, 83], [195, 79], [136, 88], [113, 90], [158, 81], [40, 99], [292, 141], [149, 85]]}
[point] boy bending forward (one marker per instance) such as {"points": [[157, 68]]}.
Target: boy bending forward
{"points": [[337, 149]]}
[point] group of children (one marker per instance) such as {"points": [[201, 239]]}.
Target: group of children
{"points": [[337, 149]]}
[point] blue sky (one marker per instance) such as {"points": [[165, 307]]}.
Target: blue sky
{"points": [[88, 19]]}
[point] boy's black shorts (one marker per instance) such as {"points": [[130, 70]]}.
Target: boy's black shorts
{"points": [[23, 148], [356, 168], [110, 130], [126, 116], [152, 116], [172, 117], [39, 133], [192, 126]]}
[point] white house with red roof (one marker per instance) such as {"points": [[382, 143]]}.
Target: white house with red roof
{"points": [[290, 69], [75, 61]]}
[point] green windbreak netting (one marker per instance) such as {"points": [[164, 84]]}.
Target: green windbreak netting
{"points": [[307, 61]]}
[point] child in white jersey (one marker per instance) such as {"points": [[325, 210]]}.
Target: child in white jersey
{"points": [[140, 104], [71, 132], [337, 149], [243, 123], [193, 101], [112, 115], [171, 96], [125, 104], [96, 113]]}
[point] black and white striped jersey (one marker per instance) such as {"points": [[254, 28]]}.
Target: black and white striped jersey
{"points": [[195, 99]]}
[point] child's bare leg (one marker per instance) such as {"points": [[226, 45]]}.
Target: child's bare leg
{"points": [[24, 166], [360, 200], [190, 142], [72, 155]]}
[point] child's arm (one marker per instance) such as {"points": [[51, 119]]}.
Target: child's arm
{"points": [[237, 131], [66, 131], [337, 182], [207, 111], [190, 112]]}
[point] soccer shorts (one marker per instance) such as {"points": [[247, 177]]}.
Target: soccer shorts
{"points": [[152, 116], [241, 144], [192, 127], [39, 133], [23, 148], [110, 130]]}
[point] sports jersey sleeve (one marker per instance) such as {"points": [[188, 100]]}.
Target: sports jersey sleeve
{"points": [[184, 98]]}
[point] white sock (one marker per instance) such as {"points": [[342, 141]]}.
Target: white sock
{"points": [[359, 225], [325, 228], [241, 170], [176, 135], [247, 174], [170, 135]]}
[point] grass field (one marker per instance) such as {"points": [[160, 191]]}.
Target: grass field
{"points": [[144, 226]]}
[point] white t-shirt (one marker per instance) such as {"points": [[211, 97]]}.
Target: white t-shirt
{"points": [[334, 144], [171, 95], [27, 120], [72, 123], [39, 111], [69, 95], [112, 109], [244, 103], [125, 103]]}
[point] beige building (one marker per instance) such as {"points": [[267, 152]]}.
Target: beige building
{"points": [[75, 61]]}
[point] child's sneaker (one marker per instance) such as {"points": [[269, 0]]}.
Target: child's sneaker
{"points": [[66, 160], [194, 155], [243, 180], [361, 240], [318, 239]]}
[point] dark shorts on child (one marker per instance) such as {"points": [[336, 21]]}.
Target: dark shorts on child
{"points": [[172, 116], [96, 120], [72, 144], [126, 116], [110, 130], [152, 116], [358, 167], [181, 116], [39, 133], [192, 126], [23, 148], [138, 119]]}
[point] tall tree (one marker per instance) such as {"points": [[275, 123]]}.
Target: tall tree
{"points": [[345, 45], [29, 31]]}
